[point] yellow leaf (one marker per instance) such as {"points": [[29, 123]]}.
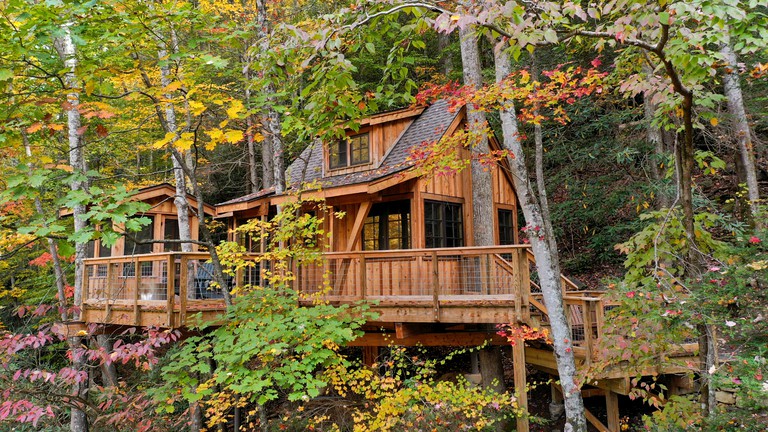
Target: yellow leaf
{"points": [[215, 134], [455, 17], [713, 121], [196, 107], [234, 136], [89, 86], [257, 137], [172, 87], [185, 141], [235, 109], [160, 144], [56, 126]]}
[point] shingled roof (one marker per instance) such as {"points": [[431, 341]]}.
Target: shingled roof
{"points": [[428, 127]]}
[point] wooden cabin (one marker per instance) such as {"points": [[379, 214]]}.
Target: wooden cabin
{"points": [[405, 244], [131, 275]]}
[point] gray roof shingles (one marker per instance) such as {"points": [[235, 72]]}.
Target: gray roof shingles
{"points": [[428, 127]]}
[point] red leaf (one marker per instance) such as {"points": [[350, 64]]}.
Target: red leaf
{"points": [[101, 131]]}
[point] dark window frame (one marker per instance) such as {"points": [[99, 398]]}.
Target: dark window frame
{"points": [[443, 224], [506, 225], [378, 222], [342, 152]]}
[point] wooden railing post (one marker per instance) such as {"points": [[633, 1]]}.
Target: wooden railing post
{"points": [[136, 291], [586, 309], [363, 277], [524, 278], [86, 282], [183, 282], [435, 286], [108, 292], [171, 291]]}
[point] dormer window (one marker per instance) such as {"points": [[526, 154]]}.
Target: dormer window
{"points": [[354, 150]]}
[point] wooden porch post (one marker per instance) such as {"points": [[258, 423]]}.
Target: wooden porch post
{"points": [[170, 292], [136, 292], [612, 408], [518, 361]]}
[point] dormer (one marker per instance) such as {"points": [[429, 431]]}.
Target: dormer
{"points": [[366, 148]]}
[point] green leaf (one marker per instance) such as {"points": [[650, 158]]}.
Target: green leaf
{"points": [[65, 248]]}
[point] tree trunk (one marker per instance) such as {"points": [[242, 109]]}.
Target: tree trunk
{"points": [[654, 136], [178, 158], [482, 191], [108, 370], [446, 61], [66, 50], [541, 186], [253, 172], [271, 118], [740, 126], [546, 259], [267, 164]]}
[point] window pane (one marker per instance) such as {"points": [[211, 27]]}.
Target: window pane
{"points": [[171, 232], [131, 248], [506, 228], [104, 250], [388, 226], [338, 154], [359, 149], [371, 233], [443, 225]]}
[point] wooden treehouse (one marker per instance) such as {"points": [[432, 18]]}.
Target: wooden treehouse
{"points": [[406, 243]]}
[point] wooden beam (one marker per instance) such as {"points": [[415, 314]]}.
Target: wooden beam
{"points": [[467, 339], [357, 227], [518, 361], [405, 330], [595, 421]]}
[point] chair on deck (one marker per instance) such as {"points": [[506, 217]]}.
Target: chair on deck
{"points": [[204, 279]]}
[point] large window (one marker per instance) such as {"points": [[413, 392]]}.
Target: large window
{"points": [[443, 224], [353, 150], [506, 227], [388, 226], [145, 234]]}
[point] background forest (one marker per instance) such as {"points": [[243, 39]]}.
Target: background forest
{"points": [[643, 123]]}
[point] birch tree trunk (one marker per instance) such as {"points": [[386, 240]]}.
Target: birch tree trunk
{"points": [[740, 126], [271, 119], [547, 264], [253, 172], [541, 188], [67, 53], [171, 126]]}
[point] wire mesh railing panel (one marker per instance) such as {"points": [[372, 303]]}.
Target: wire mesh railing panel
{"points": [[201, 282]]}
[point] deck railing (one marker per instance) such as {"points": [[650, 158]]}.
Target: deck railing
{"points": [[417, 284], [451, 285]]}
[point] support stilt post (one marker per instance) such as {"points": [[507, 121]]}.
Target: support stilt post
{"points": [[518, 360], [612, 408]]}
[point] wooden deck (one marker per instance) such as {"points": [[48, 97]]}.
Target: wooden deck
{"points": [[423, 296], [469, 286]]}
